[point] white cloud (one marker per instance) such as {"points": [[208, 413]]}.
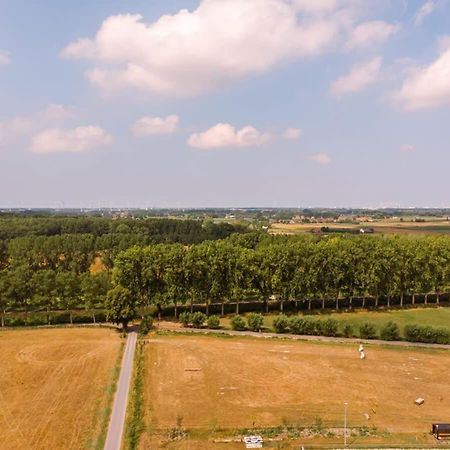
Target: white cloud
{"points": [[320, 158], [426, 87], [4, 58], [55, 113], [292, 133], [426, 9], [77, 140], [360, 76], [148, 126], [18, 128], [13, 129], [224, 135], [407, 148], [194, 51], [368, 34]]}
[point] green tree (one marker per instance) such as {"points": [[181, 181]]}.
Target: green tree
{"points": [[120, 306]]}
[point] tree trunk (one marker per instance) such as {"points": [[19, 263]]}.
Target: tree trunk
{"points": [[296, 305], [426, 299], [207, 307], [93, 317], [3, 318], [48, 315], [364, 302], [414, 299], [376, 301], [176, 309], [281, 305], [323, 303], [159, 311], [351, 302], [222, 312], [401, 299], [309, 304], [267, 305], [337, 303], [192, 305], [388, 301], [237, 307], [437, 298], [71, 318]]}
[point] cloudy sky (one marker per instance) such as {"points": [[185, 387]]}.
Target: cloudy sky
{"points": [[176, 103]]}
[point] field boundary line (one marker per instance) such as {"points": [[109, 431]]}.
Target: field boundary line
{"points": [[308, 338]]}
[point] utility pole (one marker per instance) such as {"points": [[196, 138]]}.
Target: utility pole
{"points": [[345, 424]]}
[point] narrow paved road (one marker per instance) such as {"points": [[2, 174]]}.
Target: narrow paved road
{"points": [[117, 421]]}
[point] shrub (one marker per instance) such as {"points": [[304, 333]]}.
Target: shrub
{"points": [[281, 324], [427, 334], [347, 331], [311, 327], [329, 327], [213, 322], [198, 319], [255, 321], [390, 332], [238, 323], [146, 325], [185, 318], [297, 325], [367, 331]]}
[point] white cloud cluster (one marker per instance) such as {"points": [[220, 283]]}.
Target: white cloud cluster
{"points": [[149, 126], [426, 87], [4, 58], [368, 34], [425, 10], [320, 158], [17, 128], [292, 133], [360, 76], [77, 140], [222, 40], [224, 135]]}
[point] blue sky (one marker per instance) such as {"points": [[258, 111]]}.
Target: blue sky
{"points": [[227, 103]]}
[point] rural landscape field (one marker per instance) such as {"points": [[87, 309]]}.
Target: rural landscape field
{"points": [[224, 225], [57, 387], [217, 386]]}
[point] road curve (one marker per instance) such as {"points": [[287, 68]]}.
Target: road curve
{"points": [[117, 421]]}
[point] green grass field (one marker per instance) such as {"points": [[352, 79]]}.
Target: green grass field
{"points": [[439, 317]]}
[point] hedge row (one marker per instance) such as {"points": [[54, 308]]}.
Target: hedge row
{"points": [[427, 334], [389, 332]]}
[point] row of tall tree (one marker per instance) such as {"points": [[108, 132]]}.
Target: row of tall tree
{"points": [[251, 267]]}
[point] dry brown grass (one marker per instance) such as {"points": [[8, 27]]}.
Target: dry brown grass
{"points": [[244, 382], [53, 383]]}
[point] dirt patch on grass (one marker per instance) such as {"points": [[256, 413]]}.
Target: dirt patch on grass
{"points": [[205, 384], [54, 385]]}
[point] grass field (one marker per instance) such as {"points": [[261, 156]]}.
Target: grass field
{"points": [[423, 316], [56, 387], [203, 388]]}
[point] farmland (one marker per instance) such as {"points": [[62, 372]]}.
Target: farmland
{"points": [[56, 387], [430, 226], [218, 386]]}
